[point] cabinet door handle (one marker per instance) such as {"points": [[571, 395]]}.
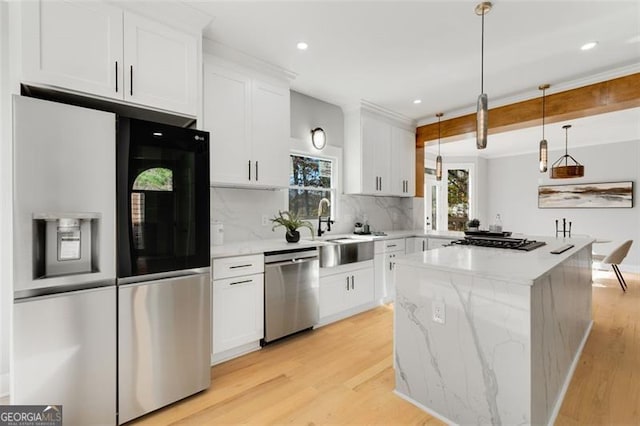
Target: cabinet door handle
{"points": [[241, 282], [347, 283], [391, 245], [116, 76], [249, 169], [423, 246], [352, 282], [256, 169], [131, 80], [241, 266], [380, 183]]}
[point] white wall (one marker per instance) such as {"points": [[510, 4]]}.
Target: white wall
{"points": [[241, 210], [513, 184]]}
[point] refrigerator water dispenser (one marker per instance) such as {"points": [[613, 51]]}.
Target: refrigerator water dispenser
{"points": [[65, 244]]}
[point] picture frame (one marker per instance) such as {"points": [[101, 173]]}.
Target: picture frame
{"points": [[586, 195]]}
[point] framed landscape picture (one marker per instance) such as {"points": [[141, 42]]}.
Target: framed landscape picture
{"points": [[586, 195]]}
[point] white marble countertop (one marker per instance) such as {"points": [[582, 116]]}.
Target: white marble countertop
{"points": [[518, 266], [262, 246]]}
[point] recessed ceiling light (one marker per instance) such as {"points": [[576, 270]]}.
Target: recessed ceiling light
{"points": [[157, 134], [589, 46], [417, 101], [302, 45]]}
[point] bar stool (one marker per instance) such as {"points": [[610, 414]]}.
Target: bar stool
{"points": [[615, 258]]}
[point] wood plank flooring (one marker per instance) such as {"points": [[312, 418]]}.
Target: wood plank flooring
{"points": [[342, 374]]}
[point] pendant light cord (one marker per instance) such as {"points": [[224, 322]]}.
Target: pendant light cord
{"points": [[482, 56], [438, 136], [543, 92]]}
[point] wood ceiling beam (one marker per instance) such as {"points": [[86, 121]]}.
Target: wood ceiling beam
{"points": [[607, 96]]}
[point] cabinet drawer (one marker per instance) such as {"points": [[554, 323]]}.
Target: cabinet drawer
{"points": [[229, 267], [395, 245]]}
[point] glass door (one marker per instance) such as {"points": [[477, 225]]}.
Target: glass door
{"points": [[163, 198], [431, 204]]}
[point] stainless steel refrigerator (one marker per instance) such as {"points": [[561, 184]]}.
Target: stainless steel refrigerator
{"points": [[112, 307], [64, 268]]}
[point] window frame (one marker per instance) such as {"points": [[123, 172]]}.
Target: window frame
{"points": [[329, 153]]}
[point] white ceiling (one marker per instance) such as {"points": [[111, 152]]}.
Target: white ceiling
{"points": [[392, 52]]}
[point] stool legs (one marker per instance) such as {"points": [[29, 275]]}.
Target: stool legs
{"points": [[621, 280]]}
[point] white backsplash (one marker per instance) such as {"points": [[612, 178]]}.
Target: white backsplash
{"points": [[241, 211]]}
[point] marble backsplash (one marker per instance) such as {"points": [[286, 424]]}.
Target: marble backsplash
{"points": [[241, 212]]}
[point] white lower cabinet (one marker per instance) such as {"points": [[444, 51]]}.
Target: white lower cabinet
{"points": [[346, 289], [385, 254], [237, 306], [416, 244]]}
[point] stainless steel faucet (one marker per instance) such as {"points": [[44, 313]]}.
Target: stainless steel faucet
{"points": [[320, 219]]}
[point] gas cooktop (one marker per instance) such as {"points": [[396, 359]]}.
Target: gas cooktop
{"points": [[500, 242]]}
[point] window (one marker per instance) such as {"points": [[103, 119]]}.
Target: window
{"points": [[310, 180], [155, 179], [457, 199]]}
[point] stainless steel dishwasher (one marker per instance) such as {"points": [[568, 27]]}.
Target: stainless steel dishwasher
{"points": [[291, 284]]}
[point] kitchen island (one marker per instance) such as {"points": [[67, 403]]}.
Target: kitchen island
{"points": [[491, 336]]}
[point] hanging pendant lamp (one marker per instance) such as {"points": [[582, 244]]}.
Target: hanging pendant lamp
{"points": [[543, 150], [561, 169], [439, 158], [482, 118]]}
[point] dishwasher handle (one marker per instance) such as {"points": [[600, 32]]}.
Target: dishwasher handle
{"points": [[296, 261]]}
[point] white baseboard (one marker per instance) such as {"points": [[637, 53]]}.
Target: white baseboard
{"points": [[4, 385], [567, 380], [227, 355]]}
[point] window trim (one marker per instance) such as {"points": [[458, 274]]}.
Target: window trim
{"points": [[330, 153]]}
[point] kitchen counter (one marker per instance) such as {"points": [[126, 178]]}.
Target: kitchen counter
{"points": [[518, 267], [262, 246], [491, 336]]}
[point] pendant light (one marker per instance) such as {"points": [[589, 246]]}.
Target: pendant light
{"points": [[561, 168], [482, 118], [439, 158], [543, 151]]}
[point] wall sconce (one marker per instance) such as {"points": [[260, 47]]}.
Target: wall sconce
{"points": [[318, 138]]}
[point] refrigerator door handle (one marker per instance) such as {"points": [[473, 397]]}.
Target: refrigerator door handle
{"points": [[140, 279]]}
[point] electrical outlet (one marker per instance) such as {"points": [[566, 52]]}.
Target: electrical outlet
{"points": [[438, 311], [265, 220]]}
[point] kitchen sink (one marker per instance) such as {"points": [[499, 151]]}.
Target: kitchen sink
{"points": [[341, 251]]}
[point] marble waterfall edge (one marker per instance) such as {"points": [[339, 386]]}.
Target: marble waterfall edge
{"points": [[506, 351]]}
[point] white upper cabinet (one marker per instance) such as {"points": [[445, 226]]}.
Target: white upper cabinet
{"points": [[379, 155], [227, 103], [270, 131], [376, 168], [98, 49], [161, 65], [403, 162], [249, 124], [75, 45]]}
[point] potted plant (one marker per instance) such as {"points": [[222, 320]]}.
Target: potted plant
{"points": [[292, 223], [473, 225]]}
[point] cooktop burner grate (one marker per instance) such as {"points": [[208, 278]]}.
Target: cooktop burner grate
{"points": [[498, 242]]}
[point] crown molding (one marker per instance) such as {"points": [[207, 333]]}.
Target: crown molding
{"points": [[232, 55], [177, 14]]}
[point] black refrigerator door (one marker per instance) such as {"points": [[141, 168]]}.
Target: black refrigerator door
{"points": [[163, 198]]}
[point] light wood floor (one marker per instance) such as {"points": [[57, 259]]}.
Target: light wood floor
{"points": [[342, 374]]}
